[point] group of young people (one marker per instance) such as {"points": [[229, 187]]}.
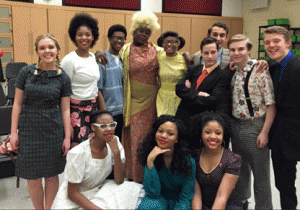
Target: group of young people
{"points": [[171, 120]]}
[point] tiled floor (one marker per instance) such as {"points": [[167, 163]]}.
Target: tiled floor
{"points": [[13, 198]]}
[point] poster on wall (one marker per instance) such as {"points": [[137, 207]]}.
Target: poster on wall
{"points": [[106, 4], [200, 7]]}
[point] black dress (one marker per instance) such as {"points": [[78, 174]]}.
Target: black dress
{"points": [[209, 183], [41, 130]]}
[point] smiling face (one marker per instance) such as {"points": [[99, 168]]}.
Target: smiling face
{"points": [[117, 41], [104, 134], [47, 51], [212, 135], [239, 52], [84, 38], [141, 36], [210, 54], [219, 34], [170, 45], [166, 135], [276, 46]]}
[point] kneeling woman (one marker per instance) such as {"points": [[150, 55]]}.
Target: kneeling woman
{"points": [[169, 172], [217, 168], [88, 166]]}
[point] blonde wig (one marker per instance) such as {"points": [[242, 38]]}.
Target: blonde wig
{"points": [[145, 20]]}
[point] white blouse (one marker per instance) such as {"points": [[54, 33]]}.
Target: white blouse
{"points": [[84, 74]]}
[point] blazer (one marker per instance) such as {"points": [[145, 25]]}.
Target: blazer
{"points": [[285, 131], [225, 60], [191, 104]]}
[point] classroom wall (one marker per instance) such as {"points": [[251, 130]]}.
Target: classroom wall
{"points": [[277, 9]]}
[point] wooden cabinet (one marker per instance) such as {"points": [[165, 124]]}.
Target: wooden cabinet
{"points": [[182, 26], [28, 24], [100, 44], [59, 21], [109, 20], [199, 30], [30, 20]]}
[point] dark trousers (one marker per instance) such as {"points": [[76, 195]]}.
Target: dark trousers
{"points": [[285, 176], [119, 119]]}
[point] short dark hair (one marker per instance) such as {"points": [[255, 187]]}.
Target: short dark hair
{"points": [[83, 19], [181, 163], [94, 115], [220, 25], [200, 120], [114, 28], [209, 40]]}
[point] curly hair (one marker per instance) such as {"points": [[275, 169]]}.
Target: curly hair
{"points": [[200, 120], [144, 19], [83, 19], [181, 164]]}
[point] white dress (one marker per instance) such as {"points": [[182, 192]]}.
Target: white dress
{"points": [[91, 174]]}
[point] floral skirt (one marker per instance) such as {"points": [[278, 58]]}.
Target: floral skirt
{"points": [[80, 119]]}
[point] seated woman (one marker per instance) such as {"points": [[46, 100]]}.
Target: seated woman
{"points": [[217, 168], [169, 172], [88, 166]]}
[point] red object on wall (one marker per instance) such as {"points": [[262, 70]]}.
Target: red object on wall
{"points": [[203, 7], [1, 53], [113, 4]]}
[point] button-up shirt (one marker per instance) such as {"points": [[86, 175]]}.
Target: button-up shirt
{"points": [[261, 92]]}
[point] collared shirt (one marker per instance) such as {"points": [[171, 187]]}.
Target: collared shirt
{"points": [[260, 88], [210, 69], [111, 83], [219, 56], [283, 64]]}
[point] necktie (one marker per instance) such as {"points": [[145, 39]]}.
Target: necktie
{"points": [[201, 78]]}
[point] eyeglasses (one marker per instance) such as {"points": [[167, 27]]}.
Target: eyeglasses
{"points": [[105, 126], [117, 38], [170, 42]]}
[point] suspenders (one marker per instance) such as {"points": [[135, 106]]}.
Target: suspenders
{"points": [[248, 99]]}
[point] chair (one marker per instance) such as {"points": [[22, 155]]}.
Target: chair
{"points": [[2, 96], [7, 167], [12, 69], [5, 114], [11, 90]]}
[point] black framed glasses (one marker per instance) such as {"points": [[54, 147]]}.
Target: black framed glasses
{"points": [[105, 126], [170, 42], [117, 38]]}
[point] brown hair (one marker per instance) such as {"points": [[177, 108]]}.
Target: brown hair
{"points": [[240, 37], [278, 30], [50, 36]]}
